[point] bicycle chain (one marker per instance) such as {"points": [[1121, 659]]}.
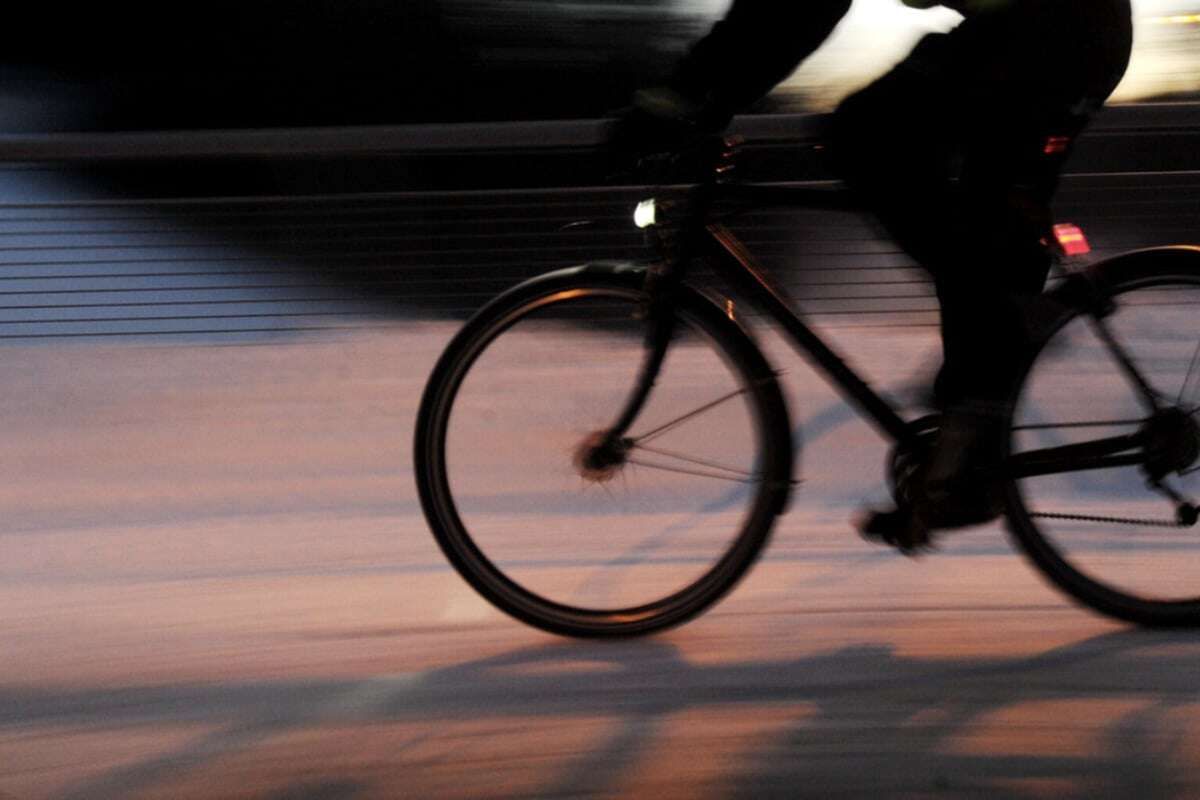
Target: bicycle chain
{"points": [[1154, 523], [1150, 523]]}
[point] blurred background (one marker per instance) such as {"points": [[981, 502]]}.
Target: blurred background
{"points": [[272, 63]]}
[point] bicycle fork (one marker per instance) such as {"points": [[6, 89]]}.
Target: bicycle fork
{"points": [[605, 451]]}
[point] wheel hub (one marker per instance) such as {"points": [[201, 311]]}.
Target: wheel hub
{"points": [[600, 457], [1172, 440]]}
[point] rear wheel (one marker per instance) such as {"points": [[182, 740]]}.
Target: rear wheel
{"points": [[1107, 535], [569, 534]]}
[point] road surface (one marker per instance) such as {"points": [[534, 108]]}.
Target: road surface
{"points": [[217, 583]]}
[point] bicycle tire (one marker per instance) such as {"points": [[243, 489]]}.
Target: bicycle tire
{"points": [[556, 296], [1123, 558]]}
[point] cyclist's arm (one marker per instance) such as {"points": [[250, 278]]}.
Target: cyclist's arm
{"points": [[756, 45]]}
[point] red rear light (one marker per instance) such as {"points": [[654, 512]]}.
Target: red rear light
{"points": [[1071, 239], [1056, 145]]}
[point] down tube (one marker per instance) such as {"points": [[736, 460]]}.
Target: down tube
{"points": [[740, 269]]}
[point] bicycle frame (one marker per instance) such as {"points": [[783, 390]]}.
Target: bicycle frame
{"points": [[704, 234], [735, 264], [740, 472], [707, 235]]}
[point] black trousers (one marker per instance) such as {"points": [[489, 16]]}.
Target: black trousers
{"points": [[958, 151]]}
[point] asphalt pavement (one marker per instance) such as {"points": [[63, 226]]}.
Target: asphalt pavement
{"points": [[217, 583]]}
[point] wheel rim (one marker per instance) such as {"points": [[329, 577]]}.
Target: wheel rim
{"points": [[1102, 533], [628, 544]]}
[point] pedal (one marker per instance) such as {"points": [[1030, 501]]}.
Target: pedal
{"points": [[900, 528]]}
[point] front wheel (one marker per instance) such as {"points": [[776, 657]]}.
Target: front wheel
{"points": [[585, 540], [1092, 436]]}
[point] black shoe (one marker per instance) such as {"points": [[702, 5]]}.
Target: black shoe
{"points": [[900, 527], [959, 485], [951, 483], [965, 506], [910, 529]]}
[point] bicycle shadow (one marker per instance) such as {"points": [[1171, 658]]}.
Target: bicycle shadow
{"points": [[859, 719]]}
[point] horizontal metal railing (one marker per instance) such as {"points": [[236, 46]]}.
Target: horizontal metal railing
{"points": [[86, 259], [1138, 119]]}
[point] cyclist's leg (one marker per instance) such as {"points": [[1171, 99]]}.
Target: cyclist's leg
{"points": [[938, 186], [979, 237], [995, 103], [971, 105]]}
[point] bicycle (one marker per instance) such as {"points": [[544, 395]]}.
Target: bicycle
{"points": [[567, 527]]}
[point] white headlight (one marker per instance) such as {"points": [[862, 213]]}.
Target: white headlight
{"points": [[645, 214]]}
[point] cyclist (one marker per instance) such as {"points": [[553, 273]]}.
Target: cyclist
{"points": [[957, 150]]}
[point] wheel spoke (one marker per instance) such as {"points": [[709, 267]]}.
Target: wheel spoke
{"points": [[732, 471], [667, 426], [752, 478], [1190, 391], [1149, 396]]}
